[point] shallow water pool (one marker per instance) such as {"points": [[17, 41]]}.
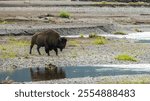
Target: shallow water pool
{"points": [[42, 74]]}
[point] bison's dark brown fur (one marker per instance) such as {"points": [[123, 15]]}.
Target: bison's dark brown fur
{"points": [[49, 39]]}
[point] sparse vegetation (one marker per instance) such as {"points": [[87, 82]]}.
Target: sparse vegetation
{"points": [[64, 14], [119, 33], [73, 43], [13, 41], [100, 41], [125, 57], [104, 3], [10, 54], [137, 3], [134, 81], [3, 22], [138, 30], [21, 43], [3, 48], [26, 56], [127, 80], [74, 54], [92, 35], [10, 49], [81, 35]]}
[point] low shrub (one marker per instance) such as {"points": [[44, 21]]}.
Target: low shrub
{"points": [[64, 14], [81, 35], [92, 35], [125, 57], [138, 30], [100, 41]]}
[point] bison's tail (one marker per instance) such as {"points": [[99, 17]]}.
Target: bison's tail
{"points": [[33, 40]]}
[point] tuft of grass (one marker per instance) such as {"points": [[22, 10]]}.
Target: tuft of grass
{"points": [[3, 48], [92, 35], [81, 35], [64, 14], [126, 57], [100, 41], [119, 33], [138, 30]]}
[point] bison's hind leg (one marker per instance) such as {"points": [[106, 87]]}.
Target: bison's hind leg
{"points": [[47, 50], [56, 51]]}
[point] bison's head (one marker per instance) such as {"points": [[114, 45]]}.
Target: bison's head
{"points": [[62, 43]]}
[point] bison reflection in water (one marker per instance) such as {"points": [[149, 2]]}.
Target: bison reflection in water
{"points": [[50, 72]]}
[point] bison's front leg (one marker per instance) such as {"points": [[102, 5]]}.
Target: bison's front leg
{"points": [[31, 46], [38, 49], [56, 51], [46, 48]]}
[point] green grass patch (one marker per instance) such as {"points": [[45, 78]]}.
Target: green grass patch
{"points": [[120, 33], [137, 3], [125, 57], [100, 40], [64, 14]]}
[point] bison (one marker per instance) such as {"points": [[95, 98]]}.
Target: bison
{"points": [[49, 39]]}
